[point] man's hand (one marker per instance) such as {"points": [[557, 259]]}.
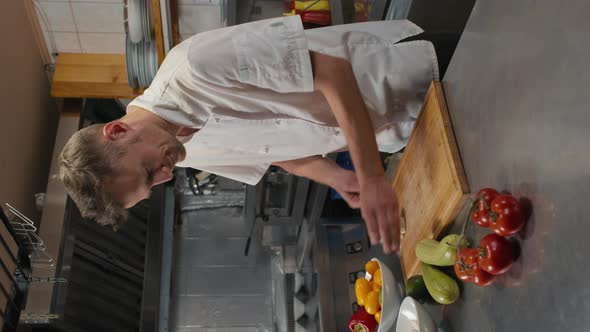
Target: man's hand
{"points": [[327, 172], [379, 209], [373, 195], [378, 205], [347, 185]]}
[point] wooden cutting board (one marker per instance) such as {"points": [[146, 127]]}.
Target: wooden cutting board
{"points": [[430, 181]]}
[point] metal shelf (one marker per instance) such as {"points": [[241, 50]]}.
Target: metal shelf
{"points": [[15, 272], [342, 11]]}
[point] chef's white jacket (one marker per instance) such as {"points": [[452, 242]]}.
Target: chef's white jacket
{"points": [[249, 89]]}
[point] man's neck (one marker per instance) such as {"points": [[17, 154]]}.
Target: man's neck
{"points": [[136, 114]]}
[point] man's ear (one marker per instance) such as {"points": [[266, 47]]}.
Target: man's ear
{"points": [[115, 130]]}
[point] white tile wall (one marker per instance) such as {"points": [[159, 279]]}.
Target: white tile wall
{"points": [[110, 43], [99, 17], [94, 1], [97, 26], [83, 26], [67, 42], [59, 16], [99, 1]]}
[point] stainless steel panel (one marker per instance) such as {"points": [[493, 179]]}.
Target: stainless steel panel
{"points": [[276, 235], [224, 329], [214, 223], [342, 11], [223, 280], [223, 311], [338, 277], [378, 10], [342, 264], [251, 206], [214, 284], [517, 95], [325, 288], [168, 220], [50, 229], [398, 9], [305, 242], [221, 198], [155, 306], [279, 190], [229, 8], [279, 293], [226, 185], [207, 252], [300, 199]]}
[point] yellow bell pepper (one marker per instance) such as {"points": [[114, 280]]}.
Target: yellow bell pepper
{"points": [[361, 289], [312, 5], [372, 303], [377, 278], [371, 267]]}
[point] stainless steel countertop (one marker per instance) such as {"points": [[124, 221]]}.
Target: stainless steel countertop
{"points": [[516, 92]]}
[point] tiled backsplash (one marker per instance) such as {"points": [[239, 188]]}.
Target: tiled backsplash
{"points": [[82, 26], [97, 26]]}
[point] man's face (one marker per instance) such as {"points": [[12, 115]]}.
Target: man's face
{"points": [[149, 160]]}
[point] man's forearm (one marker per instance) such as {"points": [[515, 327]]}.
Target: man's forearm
{"points": [[315, 168], [335, 79]]}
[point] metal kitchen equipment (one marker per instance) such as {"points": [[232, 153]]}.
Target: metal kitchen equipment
{"points": [[15, 274]]}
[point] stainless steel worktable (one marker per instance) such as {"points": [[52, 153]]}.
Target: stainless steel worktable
{"points": [[517, 91]]}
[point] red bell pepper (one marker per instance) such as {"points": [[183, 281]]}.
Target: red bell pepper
{"points": [[362, 321], [319, 17]]}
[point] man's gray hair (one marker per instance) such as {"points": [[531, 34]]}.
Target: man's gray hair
{"points": [[84, 163]]}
